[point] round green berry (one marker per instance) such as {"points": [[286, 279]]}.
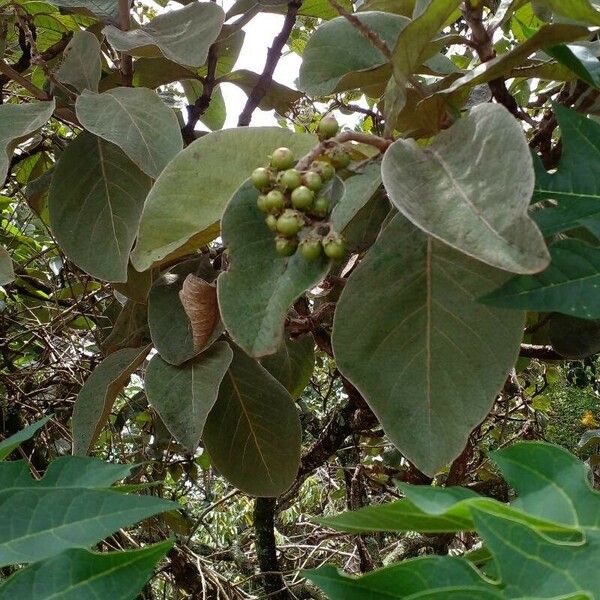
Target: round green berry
{"points": [[271, 222], [262, 203], [302, 198], [328, 127], [340, 159], [324, 169], [321, 207], [334, 246], [312, 180], [261, 178], [275, 201], [285, 246], [311, 248], [291, 179], [290, 223], [282, 159]]}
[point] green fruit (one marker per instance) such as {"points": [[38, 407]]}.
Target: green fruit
{"points": [[290, 223], [275, 201], [263, 203], [285, 246], [328, 127], [290, 179], [334, 246], [311, 248], [321, 207], [302, 198], [282, 159], [340, 159], [271, 222], [261, 178], [324, 169], [312, 180]]}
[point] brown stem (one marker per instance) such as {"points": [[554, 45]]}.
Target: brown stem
{"points": [[10, 73], [126, 60], [540, 352], [273, 56]]}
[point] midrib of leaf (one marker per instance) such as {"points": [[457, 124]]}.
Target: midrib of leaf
{"points": [[254, 436], [429, 304], [105, 181]]}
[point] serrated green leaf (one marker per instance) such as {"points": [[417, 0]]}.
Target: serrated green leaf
{"points": [[98, 394], [19, 121], [136, 120], [69, 507], [95, 202], [253, 432], [183, 396], [292, 365], [79, 573], [569, 285], [428, 325], [575, 185], [183, 36], [465, 190], [14, 441], [191, 193], [260, 285], [82, 62]]}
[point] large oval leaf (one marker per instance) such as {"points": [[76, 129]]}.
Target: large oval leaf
{"points": [[253, 432], [467, 191], [82, 62], [95, 202], [183, 396], [410, 335], [183, 35], [260, 285], [136, 120], [189, 196], [17, 121], [97, 396]]}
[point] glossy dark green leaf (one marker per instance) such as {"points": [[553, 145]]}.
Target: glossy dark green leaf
{"points": [[253, 432], [260, 285], [580, 60], [14, 441], [575, 186], [569, 285], [72, 506], [466, 191], [580, 10], [184, 395], [98, 394], [95, 203], [407, 319], [77, 573]]}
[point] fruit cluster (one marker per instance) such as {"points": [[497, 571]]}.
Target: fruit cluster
{"points": [[297, 203]]}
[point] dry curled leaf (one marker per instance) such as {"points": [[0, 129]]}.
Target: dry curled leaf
{"points": [[199, 300]]}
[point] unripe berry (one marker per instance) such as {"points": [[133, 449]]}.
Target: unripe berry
{"points": [[261, 178], [324, 169], [275, 201], [321, 207], [340, 159], [290, 179], [262, 203], [312, 180], [285, 246], [271, 222], [334, 246], [328, 127], [290, 223], [302, 198], [282, 159], [311, 248]]}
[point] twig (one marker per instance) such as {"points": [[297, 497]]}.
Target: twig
{"points": [[273, 56], [9, 72], [346, 136], [541, 352], [126, 60]]}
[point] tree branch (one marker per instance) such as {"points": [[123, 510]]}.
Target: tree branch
{"points": [[273, 56], [126, 60], [35, 91], [540, 352]]}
